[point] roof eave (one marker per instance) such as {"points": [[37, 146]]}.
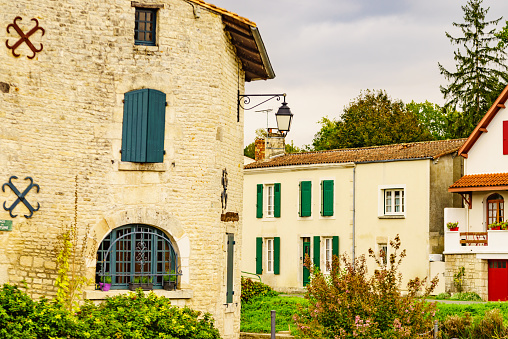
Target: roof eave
{"points": [[476, 189]]}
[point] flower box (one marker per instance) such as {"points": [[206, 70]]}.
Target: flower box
{"points": [[454, 229], [495, 228], [143, 286], [169, 285]]}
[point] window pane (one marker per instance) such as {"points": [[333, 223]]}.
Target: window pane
{"points": [[397, 201], [388, 201]]}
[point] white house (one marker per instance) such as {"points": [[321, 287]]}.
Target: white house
{"points": [[482, 252], [347, 201]]}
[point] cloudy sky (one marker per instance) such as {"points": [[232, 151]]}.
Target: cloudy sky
{"points": [[324, 52]]}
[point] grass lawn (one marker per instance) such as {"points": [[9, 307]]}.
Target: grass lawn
{"points": [[256, 314]]}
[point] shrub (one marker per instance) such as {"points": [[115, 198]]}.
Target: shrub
{"points": [[443, 296], [251, 289], [456, 326], [458, 279], [349, 304]]}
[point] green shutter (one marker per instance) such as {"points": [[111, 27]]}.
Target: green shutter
{"points": [[317, 251], [305, 198], [327, 197], [156, 126], [230, 261], [276, 200], [335, 245], [259, 201], [276, 255], [259, 255], [143, 126]]}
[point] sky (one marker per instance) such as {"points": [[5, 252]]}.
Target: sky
{"points": [[325, 52]]}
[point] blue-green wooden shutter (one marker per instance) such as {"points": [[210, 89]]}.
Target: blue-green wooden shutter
{"points": [[335, 245], [317, 251], [230, 261], [259, 255], [327, 197], [156, 126], [143, 126], [259, 201], [305, 198], [276, 255], [276, 212]]}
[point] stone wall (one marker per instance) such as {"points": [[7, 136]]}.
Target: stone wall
{"points": [[475, 277], [61, 124]]}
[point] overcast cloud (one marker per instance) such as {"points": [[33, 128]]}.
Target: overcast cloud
{"points": [[324, 52]]}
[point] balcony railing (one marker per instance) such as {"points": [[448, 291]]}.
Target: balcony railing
{"points": [[474, 238]]}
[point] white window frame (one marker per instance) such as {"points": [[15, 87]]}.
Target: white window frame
{"points": [[270, 196], [387, 194], [269, 254], [328, 253], [383, 247]]}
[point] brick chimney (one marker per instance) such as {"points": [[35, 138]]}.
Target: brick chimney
{"points": [[273, 145]]}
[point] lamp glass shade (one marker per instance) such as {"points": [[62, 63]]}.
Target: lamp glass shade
{"points": [[284, 117]]}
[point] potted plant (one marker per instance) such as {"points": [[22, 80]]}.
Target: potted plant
{"points": [[144, 282], [170, 281], [453, 226], [105, 283], [495, 226]]}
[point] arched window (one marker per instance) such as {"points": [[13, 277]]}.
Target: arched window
{"points": [[134, 251], [495, 208]]}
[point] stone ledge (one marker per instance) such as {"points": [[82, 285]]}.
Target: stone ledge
{"points": [[391, 217], [135, 166], [100, 295]]}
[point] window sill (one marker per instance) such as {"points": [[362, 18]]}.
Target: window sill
{"points": [[135, 166], [392, 217], [146, 48], [100, 295]]}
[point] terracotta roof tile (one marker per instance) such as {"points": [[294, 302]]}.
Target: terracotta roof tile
{"points": [[409, 151], [483, 181]]}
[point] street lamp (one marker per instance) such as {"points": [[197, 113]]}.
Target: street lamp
{"points": [[283, 115]]}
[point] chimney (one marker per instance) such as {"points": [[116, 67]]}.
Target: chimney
{"points": [[273, 145], [259, 149]]}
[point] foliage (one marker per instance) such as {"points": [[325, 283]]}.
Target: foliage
{"points": [[480, 73], [125, 316], [458, 279], [502, 35], [486, 327], [443, 296], [373, 118], [139, 316], [250, 150], [451, 225], [256, 314], [439, 121], [251, 289], [466, 296], [503, 225], [291, 148], [349, 304], [70, 261]]}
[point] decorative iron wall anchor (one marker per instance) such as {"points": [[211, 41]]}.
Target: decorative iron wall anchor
{"points": [[24, 37], [21, 197], [224, 194]]}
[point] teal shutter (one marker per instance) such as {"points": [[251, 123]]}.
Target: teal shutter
{"points": [[276, 212], [327, 198], [143, 126], [335, 245], [229, 280], [259, 255], [259, 201], [276, 255], [305, 198], [317, 251], [156, 126]]}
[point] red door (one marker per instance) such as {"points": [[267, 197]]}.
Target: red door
{"points": [[498, 280]]}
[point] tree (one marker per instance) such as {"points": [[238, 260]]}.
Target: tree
{"points": [[373, 118], [440, 121], [502, 35], [480, 72], [250, 149]]}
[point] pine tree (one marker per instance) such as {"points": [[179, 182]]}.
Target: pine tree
{"points": [[480, 70]]}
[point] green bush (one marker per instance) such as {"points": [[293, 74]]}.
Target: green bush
{"points": [[127, 316], [351, 304], [443, 296], [251, 289]]}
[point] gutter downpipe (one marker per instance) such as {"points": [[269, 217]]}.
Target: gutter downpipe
{"points": [[354, 212]]}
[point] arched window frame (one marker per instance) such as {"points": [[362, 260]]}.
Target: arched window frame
{"points": [[494, 208], [124, 254]]}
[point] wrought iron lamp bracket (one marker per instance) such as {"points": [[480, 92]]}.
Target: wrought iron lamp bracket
{"points": [[246, 98]]}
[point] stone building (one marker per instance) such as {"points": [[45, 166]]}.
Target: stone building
{"points": [[120, 117]]}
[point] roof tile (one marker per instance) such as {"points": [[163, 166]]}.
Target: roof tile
{"points": [[481, 180], [408, 151]]}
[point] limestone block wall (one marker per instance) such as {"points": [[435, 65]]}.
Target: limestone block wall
{"points": [[61, 124], [476, 273]]}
